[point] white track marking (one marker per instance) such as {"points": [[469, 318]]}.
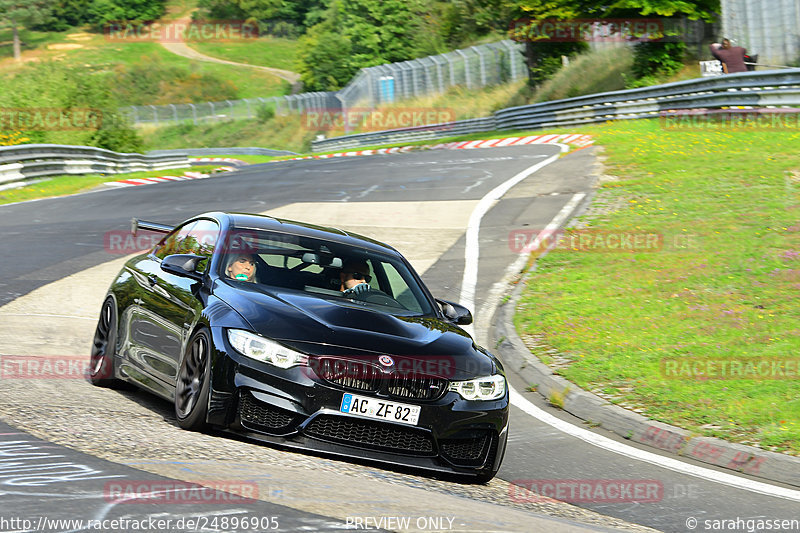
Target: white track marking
{"points": [[492, 300], [471, 250], [468, 284], [648, 457]]}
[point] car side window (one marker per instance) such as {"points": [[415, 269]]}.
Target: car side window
{"points": [[201, 240], [172, 242]]}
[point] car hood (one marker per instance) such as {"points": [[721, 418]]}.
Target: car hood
{"points": [[326, 326]]}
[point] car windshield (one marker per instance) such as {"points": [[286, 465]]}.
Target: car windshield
{"points": [[324, 269]]}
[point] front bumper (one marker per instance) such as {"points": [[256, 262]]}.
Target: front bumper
{"points": [[296, 408]]}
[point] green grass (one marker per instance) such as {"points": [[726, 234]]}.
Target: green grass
{"points": [[71, 184], [29, 40], [280, 133], [267, 51], [724, 285], [249, 83], [179, 8], [98, 53], [590, 73]]}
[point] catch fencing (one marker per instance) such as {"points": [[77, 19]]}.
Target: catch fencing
{"points": [[474, 67], [771, 89]]}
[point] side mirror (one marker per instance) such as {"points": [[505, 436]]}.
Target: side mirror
{"points": [[458, 314], [184, 265]]}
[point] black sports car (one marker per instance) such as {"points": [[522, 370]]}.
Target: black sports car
{"points": [[304, 336]]}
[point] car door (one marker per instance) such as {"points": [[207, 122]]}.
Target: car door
{"points": [[171, 305]]}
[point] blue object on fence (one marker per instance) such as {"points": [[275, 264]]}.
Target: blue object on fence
{"points": [[386, 85]]}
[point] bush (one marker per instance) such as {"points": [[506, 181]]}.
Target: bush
{"points": [[631, 82], [544, 59], [660, 60], [265, 113], [101, 12], [118, 137], [597, 71], [58, 86], [154, 83]]}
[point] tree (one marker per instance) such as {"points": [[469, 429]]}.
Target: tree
{"points": [[706, 10], [65, 14], [16, 14], [325, 59], [361, 33], [654, 61], [540, 54], [298, 13], [105, 11]]}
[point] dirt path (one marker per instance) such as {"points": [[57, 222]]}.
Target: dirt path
{"points": [[184, 50]]}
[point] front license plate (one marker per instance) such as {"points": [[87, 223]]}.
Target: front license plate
{"points": [[380, 409]]}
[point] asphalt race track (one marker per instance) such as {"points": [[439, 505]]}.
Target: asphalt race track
{"points": [[57, 260]]}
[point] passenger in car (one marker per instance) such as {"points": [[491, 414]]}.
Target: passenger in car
{"points": [[241, 267]]}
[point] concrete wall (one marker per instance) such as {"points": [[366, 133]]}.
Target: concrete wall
{"points": [[769, 28]]}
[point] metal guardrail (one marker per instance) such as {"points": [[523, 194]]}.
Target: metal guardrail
{"points": [[750, 89], [222, 151], [416, 133], [35, 160]]}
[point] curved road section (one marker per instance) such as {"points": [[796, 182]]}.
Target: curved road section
{"points": [[59, 255]]}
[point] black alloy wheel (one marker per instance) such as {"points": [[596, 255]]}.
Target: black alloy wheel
{"points": [[101, 363], [191, 388]]}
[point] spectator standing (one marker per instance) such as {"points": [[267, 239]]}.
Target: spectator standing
{"points": [[731, 57]]}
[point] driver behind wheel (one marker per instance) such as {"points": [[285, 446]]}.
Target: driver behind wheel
{"points": [[354, 278], [241, 267]]}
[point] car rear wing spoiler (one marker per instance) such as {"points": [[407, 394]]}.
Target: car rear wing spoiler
{"points": [[137, 224]]}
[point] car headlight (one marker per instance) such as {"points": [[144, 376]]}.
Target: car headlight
{"points": [[262, 349], [488, 388]]}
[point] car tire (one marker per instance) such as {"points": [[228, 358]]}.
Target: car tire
{"points": [[193, 383], [104, 347]]}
